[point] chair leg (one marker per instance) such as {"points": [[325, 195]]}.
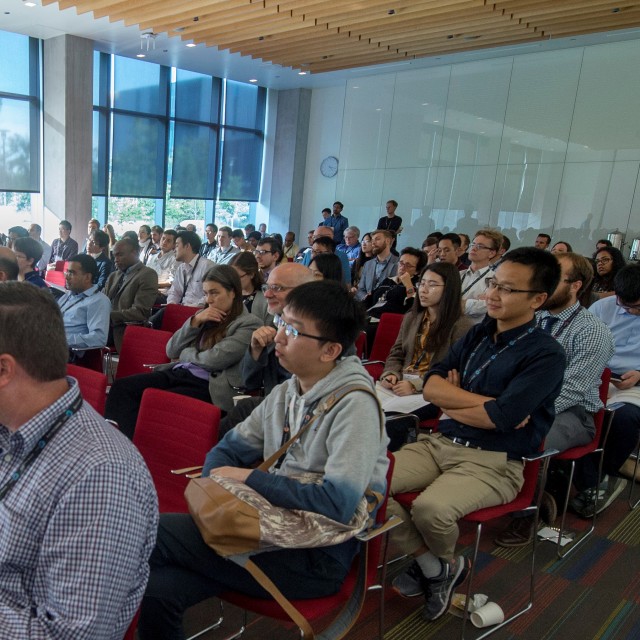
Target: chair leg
{"points": [[632, 481], [215, 625]]}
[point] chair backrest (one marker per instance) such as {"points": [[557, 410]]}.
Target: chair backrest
{"points": [[603, 392], [175, 315], [172, 432], [386, 335], [91, 359], [140, 346], [361, 345], [93, 386], [55, 277]]}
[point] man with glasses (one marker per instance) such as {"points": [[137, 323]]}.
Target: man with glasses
{"points": [[497, 387], [482, 251], [268, 254], [65, 246], [621, 313], [351, 244], [207, 248]]}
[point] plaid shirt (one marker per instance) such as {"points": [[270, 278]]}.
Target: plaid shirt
{"points": [[588, 343], [76, 531]]}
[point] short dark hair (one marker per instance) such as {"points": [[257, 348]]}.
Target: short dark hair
{"points": [[545, 267], [157, 228], [393, 202], [101, 238], [226, 229], [10, 267], [213, 225], [416, 253], [32, 331], [605, 242], [326, 210], [37, 227], [31, 248], [21, 232], [249, 227], [329, 265], [146, 227], [544, 235], [170, 232], [454, 238], [506, 243], [132, 236], [190, 238], [325, 241], [87, 264], [255, 235], [246, 261], [436, 234], [339, 317], [566, 244], [274, 245], [237, 233], [66, 224], [337, 202], [626, 284]]}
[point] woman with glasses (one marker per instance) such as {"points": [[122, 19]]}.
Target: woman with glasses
{"points": [[206, 353], [609, 261], [247, 268], [432, 325]]}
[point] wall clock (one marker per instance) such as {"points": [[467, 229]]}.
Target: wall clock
{"points": [[329, 166]]}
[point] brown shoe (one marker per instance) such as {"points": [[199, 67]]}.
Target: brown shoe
{"points": [[517, 534]]}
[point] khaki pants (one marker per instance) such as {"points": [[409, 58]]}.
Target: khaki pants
{"points": [[454, 480]]}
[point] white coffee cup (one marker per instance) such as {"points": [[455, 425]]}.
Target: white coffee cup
{"points": [[237, 399], [488, 615]]}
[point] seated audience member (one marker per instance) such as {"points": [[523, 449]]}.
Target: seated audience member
{"points": [[374, 272], [268, 253], [28, 252], [35, 232], [85, 310], [191, 227], [608, 262], [224, 250], [337, 222], [251, 282], [164, 263], [249, 228], [602, 244], [238, 240], [63, 247], [505, 245], [326, 266], [207, 351], [187, 287], [428, 330], [482, 251], [351, 244], [9, 269], [262, 229], [92, 225], [14, 233], [449, 250], [156, 236], [621, 313], [80, 515], [327, 232], [366, 254], [289, 248], [391, 222], [465, 241], [207, 248], [146, 244], [326, 214], [320, 320], [132, 290], [397, 293], [98, 249], [497, 386], [253, 238], [430, 247], [303, 252], [543, 240], [588, 346], [108, 229], [561, 247]]}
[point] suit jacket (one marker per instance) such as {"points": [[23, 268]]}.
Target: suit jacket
{"points": [[368, 277], [133, 302]]}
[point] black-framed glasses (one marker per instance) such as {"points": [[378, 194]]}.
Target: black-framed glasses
{"points": [[475, 245], [627, 307], [291, 331], [492, 283], [274, 288], [261, 252]]}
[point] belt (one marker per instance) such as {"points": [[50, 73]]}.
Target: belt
{"points": [[462, 443]]}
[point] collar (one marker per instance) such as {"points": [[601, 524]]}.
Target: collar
{"points": [[490, 326], [563, 315], [385, 261], [87, 292], [192, 262]]}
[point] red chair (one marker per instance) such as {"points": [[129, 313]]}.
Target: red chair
{"points": [[175, 315], [93, 386], [386, 335], [361, 345], [602, 421], [526, 501], [349, 600], [141, 346], [55, 277], [174, 431], [92, 358]]}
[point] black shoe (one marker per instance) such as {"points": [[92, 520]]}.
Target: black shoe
{"points": [[440, 589], [411, 583], [517, 534]]}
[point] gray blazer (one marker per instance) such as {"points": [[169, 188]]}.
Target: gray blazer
{"points": [[368, 277], [402, 351], [222, 360]]}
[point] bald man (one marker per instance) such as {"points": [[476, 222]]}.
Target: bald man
{"points": [[327, 232]]}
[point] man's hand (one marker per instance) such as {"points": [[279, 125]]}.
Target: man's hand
{"points": [[260, 339], [523, 423], [235, 473], [627, 380], [403, 388]]}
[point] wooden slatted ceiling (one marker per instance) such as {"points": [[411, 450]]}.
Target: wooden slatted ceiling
{"points": [[327, 35]]}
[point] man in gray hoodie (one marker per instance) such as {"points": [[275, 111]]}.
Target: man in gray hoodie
{"points": [[318, 323]]}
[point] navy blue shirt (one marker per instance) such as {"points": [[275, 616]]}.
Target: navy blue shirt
{"points": [[525, 379]]}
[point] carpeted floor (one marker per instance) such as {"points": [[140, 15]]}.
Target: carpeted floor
{"points": [[594, 594]]}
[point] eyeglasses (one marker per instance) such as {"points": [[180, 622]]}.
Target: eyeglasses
{"points": [[603, 260], [475, 245], [291, 331], [261, 252], [429, 285], [627, 307], [406, 265], [492, 283], [274, 288], [317, 253]]}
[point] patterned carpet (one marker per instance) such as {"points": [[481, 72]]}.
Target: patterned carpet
{"points": [[594, 594]]}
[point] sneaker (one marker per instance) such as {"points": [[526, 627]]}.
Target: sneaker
{"points": [[614, 489], [440, 589], [411, 583], [588, 496], [517, 534]]}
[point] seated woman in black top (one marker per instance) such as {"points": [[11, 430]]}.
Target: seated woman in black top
{"points": [[326, 266]]}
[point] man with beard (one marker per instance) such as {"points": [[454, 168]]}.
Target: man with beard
{"points": [[588, 345], [385, 265]]}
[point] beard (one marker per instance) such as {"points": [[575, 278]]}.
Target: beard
{"points": [[560, 298]]}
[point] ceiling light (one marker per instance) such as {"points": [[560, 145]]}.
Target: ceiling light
{"points": [[302, 73], [28, 3], [141, 55], [253, 80], [191, 44]]}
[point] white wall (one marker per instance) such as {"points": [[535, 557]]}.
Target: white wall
{"points": [[539, 142]]}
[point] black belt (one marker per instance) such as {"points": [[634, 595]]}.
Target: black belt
{"points": [[462, 443]]}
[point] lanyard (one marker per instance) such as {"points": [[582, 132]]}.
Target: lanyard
{"points": [[564, 325], [80, 298], [482, 275], [188, 282], [466, 383], [58, 423]]}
